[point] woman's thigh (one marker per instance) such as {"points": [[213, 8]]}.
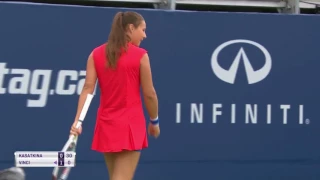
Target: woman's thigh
{"points": [[109, 159], [125, 164]]}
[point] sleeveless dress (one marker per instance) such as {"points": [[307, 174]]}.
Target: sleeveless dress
{"points": [[120, 123]]}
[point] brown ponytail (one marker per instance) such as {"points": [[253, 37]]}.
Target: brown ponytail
{"points": [[118, 37]]}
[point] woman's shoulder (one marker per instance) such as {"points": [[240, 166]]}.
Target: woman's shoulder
{"points": [[98, 51], [136, 49], [100, 47]]}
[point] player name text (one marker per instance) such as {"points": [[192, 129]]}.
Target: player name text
{"points": [[24, 162], [30, 155]]}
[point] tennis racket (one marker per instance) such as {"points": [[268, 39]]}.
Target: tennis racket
{"points": [[61, 173]]}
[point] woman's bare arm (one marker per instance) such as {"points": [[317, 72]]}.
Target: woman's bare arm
{"points": [[149, 93], [89, 85]]}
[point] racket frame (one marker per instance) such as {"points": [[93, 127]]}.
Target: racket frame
{"points": [[73, 138]]}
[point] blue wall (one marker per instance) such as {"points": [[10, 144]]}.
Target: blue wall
{"points": [[210, 127]]}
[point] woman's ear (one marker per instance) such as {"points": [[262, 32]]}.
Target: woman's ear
{"points": [[131, 28]]}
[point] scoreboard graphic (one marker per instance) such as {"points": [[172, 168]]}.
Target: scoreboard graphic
{"points": [[44, 159]]}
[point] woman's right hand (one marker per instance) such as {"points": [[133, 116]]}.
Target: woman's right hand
{"points": [[75, 131]]}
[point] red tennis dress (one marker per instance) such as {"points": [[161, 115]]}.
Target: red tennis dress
{"points": [[120, 123]]}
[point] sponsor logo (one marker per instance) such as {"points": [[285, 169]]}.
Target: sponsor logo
{"points": [[234, 113], [230, 74], [246, 114], [40, 83]]}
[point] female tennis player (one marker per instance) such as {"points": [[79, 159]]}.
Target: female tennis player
{"points": [[121, 68]]}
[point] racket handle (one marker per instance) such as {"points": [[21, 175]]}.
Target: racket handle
{"points": [[84, 110], [85, 107], [82, 115], [79, 123]]}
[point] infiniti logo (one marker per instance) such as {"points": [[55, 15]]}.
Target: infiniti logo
{"points": [[230, 75]]}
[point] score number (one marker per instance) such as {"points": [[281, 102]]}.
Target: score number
{"points": [[68, 155], [65, 155], [62, 161]]}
